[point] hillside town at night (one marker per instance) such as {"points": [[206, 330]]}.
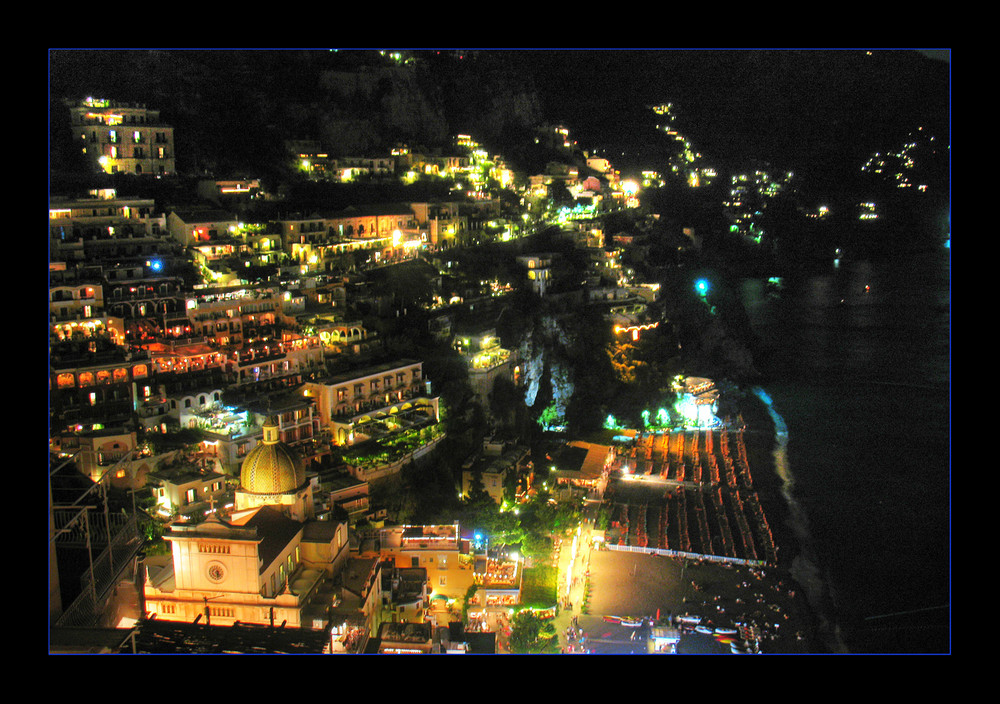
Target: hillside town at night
{"points": [[432, 396]]}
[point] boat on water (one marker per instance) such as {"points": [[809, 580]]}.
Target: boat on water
{"points": [[703, 629], [689, 618], [725, 631], [630, 623]]}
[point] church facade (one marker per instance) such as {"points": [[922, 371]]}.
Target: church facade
{"points": [[269, 562]]}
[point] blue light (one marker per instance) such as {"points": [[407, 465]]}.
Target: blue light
{"points": [[701, 285], [155, 264]]}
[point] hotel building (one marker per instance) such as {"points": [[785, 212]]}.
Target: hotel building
{"points": [[438, 549], [124, 138], [348, 402]]}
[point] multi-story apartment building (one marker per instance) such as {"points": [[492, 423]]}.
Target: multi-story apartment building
{"points": [[445, 223], [74, 303], [143, 298], [232, 433], [348, 402], [317, 163], [316, 241], [438, 549], [102, 216], [94, 386], [124, 138], [188, 490], [539, 271], [348, 337], [230, 316]]}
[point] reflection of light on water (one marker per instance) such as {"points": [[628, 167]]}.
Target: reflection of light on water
{"points": [[803, 568]]}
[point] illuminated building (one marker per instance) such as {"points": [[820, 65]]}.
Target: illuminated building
{"points": [[95, 386], [231, 434], [412, 638], [351, 496], [497, 461], [539, 271], [96, 450], [193, 227], [230, 191], [123, 138], [110, 266], [273, 474], [405, 595], [554, 137], [581, 467], [599, 164], [444, 223], [349, 402], [487, 361], [266, 563], [314, 161], [315, 241], [438, 549], [359, 607], [188, 490], [101, 215], [75, 304], [347, 337], [500, 579]]}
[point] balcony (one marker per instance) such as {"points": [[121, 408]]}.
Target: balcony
{"points": [[413, 396]]}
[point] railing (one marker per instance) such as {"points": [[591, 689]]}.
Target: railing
{"points": [[686, 555], [370, 407], [104, 572]]}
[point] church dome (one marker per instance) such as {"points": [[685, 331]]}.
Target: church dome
{"points": [[272, 467]]}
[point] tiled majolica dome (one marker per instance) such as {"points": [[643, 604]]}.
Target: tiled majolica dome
{"points": [[272, 467]]}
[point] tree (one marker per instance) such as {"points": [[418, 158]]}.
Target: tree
{"points": [[529, 634]]}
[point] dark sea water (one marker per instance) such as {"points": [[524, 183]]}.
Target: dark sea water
{"points": [[858, 382]]}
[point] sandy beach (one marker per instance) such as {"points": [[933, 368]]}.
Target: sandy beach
{"points": [[764, 604]]}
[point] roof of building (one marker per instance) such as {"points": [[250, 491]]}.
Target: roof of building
{"points": [[272, 467], [186, 474], [477, 642], [275, 530], [203, 215], [366, 372], [153, 636], [320, 531], [583, 460]]}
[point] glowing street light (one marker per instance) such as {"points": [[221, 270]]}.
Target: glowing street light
{"points": [[701, 286]]}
